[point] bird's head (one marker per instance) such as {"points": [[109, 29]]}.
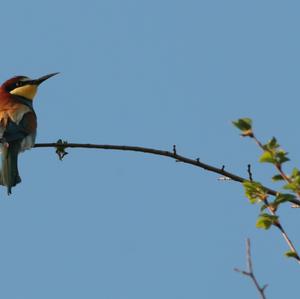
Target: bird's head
{"points": [[24, 86]]}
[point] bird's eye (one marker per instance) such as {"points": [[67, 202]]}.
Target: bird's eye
{"points": [[18, 84]]}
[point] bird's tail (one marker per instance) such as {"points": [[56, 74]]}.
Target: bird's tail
{"points": [[9, 175]]}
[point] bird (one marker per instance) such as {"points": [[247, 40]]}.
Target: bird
{"points": [[18, 124]]}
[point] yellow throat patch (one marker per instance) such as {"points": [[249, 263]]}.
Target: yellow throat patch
{"points": [[26, 91]]}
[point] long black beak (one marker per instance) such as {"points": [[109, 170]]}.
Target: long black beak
{"points": [[42, 79]]}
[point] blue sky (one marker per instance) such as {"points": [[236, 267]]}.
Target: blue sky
{"points": [[120, 225]]}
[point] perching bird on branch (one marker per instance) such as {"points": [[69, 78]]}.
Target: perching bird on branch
{"points": [[18, 124]]}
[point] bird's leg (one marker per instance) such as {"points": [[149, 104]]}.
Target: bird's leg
{"points": [[4, 142]]}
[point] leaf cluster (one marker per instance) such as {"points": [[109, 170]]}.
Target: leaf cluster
{"points": [[258, 194], [273, 154], [245, 125]]}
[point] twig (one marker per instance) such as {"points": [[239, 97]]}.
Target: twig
{"points": [[249, 272], [174, 150], [250, 173]]}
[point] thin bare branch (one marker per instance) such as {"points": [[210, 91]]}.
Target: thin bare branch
{"points": [[250, 173], [61, 146], [249, 272], [170, 154]]}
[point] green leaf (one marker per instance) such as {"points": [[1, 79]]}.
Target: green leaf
{"points": [[255, 191], [281, 156], [265, 221], [291, 254], [272, 144], [267, 157], [277, 177], [244, 124], [284, 197], [279, 199], [272, 154], [294, 186], [295, 173]]}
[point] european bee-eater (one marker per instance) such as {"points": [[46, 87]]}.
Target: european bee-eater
{"points": [[18, 124]]}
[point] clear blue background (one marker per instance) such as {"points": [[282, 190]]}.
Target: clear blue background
{"points": [[105, 224]]}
